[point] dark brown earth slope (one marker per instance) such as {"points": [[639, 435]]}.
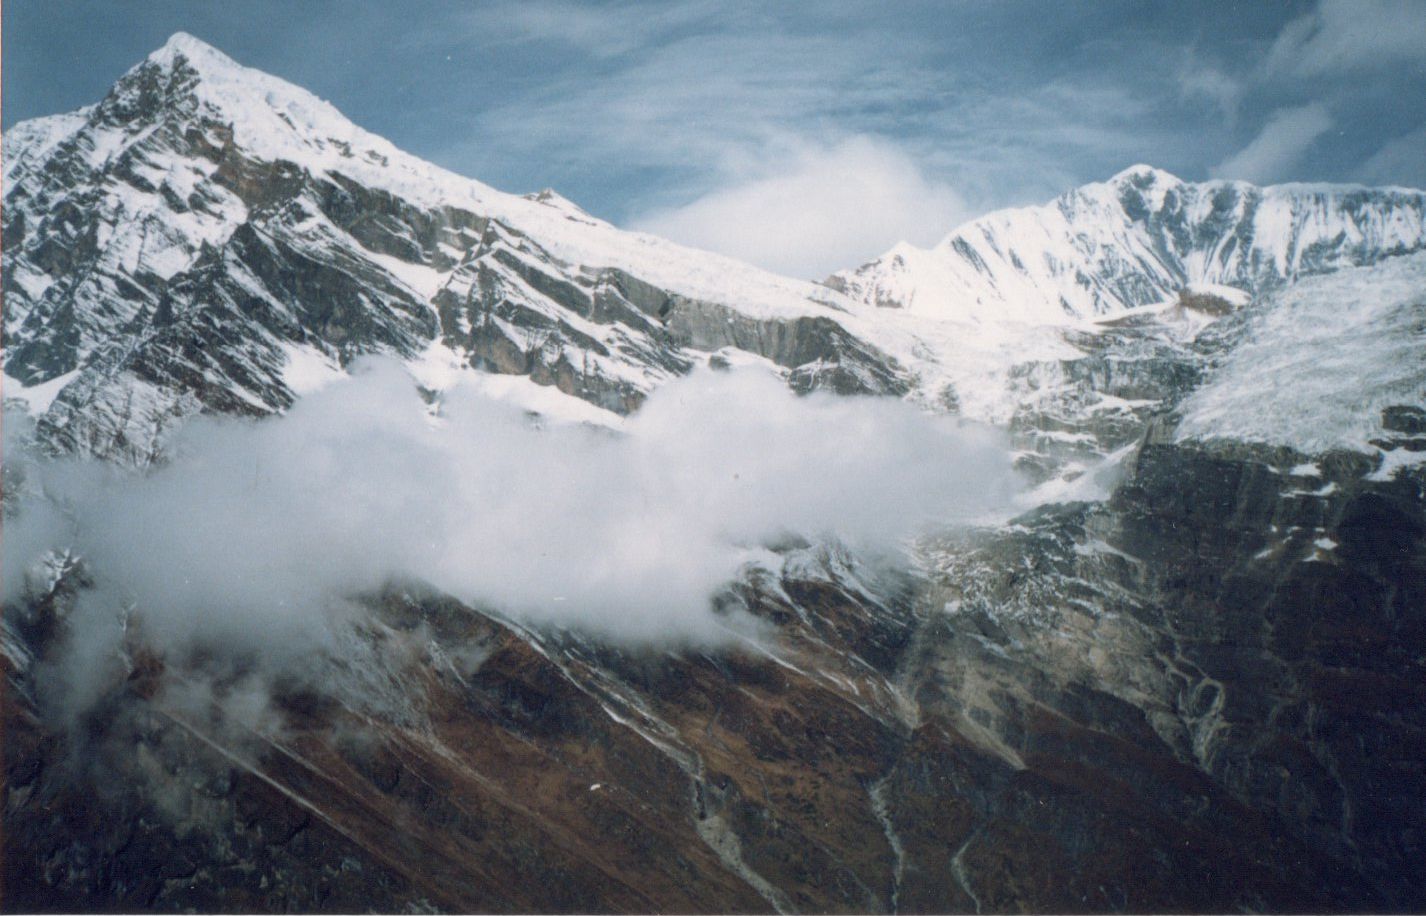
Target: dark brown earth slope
{"points": [[1175, 700]]}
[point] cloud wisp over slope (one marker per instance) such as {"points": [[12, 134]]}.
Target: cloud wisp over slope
{"points": [[259, 532]]}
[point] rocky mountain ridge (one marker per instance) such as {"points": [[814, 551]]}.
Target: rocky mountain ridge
{"points": [[1187, 677], [1136, 240], [211, 238]]}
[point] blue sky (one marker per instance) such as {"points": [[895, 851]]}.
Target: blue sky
{"points": [[803, 136]]}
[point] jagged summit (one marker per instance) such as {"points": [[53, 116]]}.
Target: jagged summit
{"points": [[192, 47], [186, 64], [210, 237], [188, 83], [1142, 172], [1135, 240]]}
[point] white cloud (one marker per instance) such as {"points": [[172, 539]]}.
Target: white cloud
{"points": [[255, 538], [1400, 161], [1197, 80], [603, 31], [815, 210], [1345, 35], [694, 102], [1278, 147]]}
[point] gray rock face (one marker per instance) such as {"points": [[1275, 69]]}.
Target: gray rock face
{"points": [[160, 261], [1221, 642], [1072, 413]]}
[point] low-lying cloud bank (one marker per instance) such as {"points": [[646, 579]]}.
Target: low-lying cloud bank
{"points": [[257, 532]]}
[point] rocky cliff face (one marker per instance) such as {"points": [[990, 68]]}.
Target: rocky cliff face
{"points": [[1187, 677]]}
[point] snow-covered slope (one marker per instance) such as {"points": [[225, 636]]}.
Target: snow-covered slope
{"points": [[1320, 364], [1136, 240], [209, 237], [271, 120]]}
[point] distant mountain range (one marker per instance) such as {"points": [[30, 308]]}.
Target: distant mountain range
{"points": [[1138, 239], [209, 237]]}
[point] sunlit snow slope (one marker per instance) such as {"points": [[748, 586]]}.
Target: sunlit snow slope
{"points": [[1321, 362], [210, 238], [1137, 239]]}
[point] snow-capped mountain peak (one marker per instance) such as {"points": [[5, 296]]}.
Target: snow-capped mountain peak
{"points": [[189, 81], [1143, 172], [1138, 239], [197, 53], [210, 237]]}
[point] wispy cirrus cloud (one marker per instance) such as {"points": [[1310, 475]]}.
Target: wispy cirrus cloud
{"points": [[1345, 35], [699, 101], [1199, 80], [1283, 140], [1400, 160], [704, 99], [1358, 66], [599, 31]]}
